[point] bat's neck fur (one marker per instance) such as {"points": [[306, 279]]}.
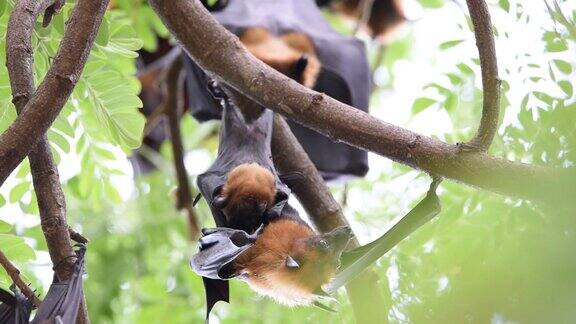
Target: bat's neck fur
{"points": [[264, 264], [283, 52]]}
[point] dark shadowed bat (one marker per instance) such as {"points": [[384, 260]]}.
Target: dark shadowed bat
{"points": [[60, 306], [260, 238], [293, 37]]}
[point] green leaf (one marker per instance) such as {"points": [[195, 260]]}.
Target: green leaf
{"points": [[2, 7], [563, 66], [356, 261], [433, 4], [4, 227], [112, 108], [421, 104], [465, 69], [59, 141], [2, 201], [123, 40], [23, 169], [566, 87], [112, 193], [103, 33], [504, 4], [451, 102], [449, 44], [18, 191], [16, 249], [62, 125]]}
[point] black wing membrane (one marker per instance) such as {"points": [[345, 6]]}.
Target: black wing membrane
{"points": [[353, 262], [63, 298], [218, 249], [14, 309]]}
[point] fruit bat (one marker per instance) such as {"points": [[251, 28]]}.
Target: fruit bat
{"points": [[293, 37], [385, 15], [60, 306], [260, 238]]}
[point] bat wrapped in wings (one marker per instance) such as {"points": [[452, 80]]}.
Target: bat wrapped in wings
{"points": [[60, 306], [260, 238], [293, 37]]}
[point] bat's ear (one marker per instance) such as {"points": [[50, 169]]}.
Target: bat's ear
{"points": [[220, 201], [291, 263]]}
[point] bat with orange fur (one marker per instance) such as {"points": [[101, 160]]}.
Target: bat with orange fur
{"points": [[292, 54], [385, 15], [260, 238]]}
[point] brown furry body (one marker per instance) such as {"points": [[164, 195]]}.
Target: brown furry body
{"points": [[283, 52], [264, 264]]}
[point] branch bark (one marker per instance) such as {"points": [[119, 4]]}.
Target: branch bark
{"points": [[14, 274], [37, 116], [51, 202], [172, 104], [490, 82], [221, 53]]}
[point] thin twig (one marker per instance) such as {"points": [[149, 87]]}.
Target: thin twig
{"points": [[172, 88], [14, 274], [490, 82], [366, 10]]}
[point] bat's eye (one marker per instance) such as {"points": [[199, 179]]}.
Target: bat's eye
{"points": [[322, 245]]}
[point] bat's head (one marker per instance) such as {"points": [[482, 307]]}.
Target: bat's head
{"points": [[249, 190], [291, 264]]}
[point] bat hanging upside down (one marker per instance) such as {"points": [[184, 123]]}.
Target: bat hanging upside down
{"points": [[260, 238], [292, 54]]}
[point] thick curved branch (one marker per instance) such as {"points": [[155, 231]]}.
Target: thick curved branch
{"points": [[21, 137], [51, 202], [218, 51], [19, 61], [490, 82], [14, 274], [171, 79]]}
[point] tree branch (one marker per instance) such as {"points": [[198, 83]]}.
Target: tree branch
{"points": [[490, 82], [51, 201], [172, 103], [14, 274], [231, 62], [37, 116]]}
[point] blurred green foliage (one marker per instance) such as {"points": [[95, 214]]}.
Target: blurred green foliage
{"points": [[485, 258]]}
